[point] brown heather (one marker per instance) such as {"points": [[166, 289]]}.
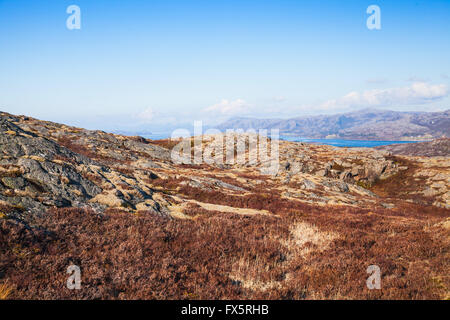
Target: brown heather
{"points": [[227, 256]]}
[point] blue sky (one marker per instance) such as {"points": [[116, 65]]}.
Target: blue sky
{"points": [[163, 64]]}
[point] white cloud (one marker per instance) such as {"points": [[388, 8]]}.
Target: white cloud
{"points": [[147, 115], [227, 107], [415, 94], [153, 117]]}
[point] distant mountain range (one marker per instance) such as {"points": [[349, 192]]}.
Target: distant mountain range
{"points": [[367, 124]]}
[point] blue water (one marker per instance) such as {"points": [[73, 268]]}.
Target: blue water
{"points": [[344, 143], [331, 142]]}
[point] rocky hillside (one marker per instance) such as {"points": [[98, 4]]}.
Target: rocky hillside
{"points": [[435, 148], [141, 226], [368, 124], [45, 164]]}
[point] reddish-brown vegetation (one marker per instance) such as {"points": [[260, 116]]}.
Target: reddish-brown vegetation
{"points": [[75, 147], [64, 159], [91, 153], [92, 177], [402, 184], [128, 256], [165, 143]]}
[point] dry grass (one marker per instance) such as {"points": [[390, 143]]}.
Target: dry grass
{"points": [[10, 171], [5, 291], [252, 274], [306, 238], [166, 143]]}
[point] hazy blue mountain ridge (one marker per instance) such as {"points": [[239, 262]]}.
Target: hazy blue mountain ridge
{"points": [[367, 124]]}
